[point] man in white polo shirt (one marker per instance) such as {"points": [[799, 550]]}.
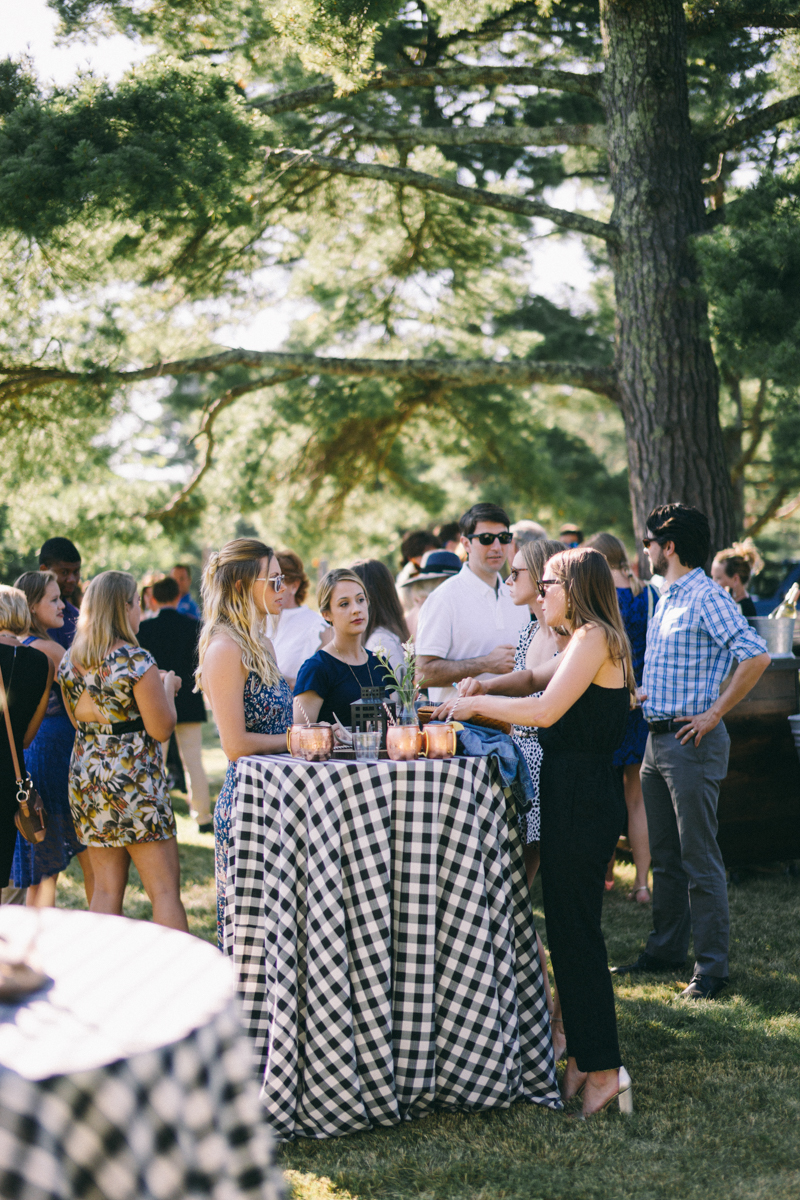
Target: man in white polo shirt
{"points": [[469, 627]]}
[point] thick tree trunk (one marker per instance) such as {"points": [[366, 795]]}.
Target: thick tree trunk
{"points": [[668, 377]]}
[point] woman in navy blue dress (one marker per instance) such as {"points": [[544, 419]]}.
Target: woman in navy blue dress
{"points": [[636, 604], [332, 679], [250, 699], [37, 866]]}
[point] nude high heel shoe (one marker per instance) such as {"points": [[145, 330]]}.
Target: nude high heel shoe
{"points": [[624, 1097]]}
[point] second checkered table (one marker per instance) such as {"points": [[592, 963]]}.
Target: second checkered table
{"points": [[381, 931]]}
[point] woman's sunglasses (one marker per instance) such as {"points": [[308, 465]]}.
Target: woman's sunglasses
{"points": [[486, 539], [275, 580], [544, 584]]}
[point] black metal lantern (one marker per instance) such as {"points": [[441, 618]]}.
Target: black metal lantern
{"points": [[369, 712]]}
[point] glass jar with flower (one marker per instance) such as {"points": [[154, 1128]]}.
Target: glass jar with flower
{"points": [[402, 679]]}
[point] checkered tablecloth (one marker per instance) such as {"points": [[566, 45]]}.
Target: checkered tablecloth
{"points": [[131, 1079], [381, 931]]}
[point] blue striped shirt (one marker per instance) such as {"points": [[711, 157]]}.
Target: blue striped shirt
{"points": [[693, 637]]}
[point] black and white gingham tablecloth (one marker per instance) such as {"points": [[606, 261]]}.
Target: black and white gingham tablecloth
{"points": [[381, 931], [131, 1079]]}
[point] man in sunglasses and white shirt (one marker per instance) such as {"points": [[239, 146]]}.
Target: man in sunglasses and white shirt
{"points": [[469, 627]]}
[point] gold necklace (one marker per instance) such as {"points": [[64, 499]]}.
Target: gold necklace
{"points": [[366, 664]]}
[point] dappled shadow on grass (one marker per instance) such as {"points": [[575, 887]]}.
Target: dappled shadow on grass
{"points": [[716, 1099]]}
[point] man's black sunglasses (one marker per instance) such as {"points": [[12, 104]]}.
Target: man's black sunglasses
{"points": [[486, 539], [646, 541]]}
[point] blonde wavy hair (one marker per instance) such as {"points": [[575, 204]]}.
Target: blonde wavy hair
{"points": [[591, 598], [15, 616], [615, 554], [104, 618], [35, 584], [232, 610]]}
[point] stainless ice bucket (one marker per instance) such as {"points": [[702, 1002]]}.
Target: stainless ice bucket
{"points": [[777, 632]]}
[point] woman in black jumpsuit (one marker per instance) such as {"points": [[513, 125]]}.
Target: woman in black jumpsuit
{"points": [[581, 717]]}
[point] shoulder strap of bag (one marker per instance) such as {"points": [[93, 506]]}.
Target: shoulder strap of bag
{"points": [[4, 702]]}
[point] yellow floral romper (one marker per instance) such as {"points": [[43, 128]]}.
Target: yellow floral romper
{"points": [[117, 786]]}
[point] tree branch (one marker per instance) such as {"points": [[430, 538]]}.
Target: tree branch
{"points": [[772, 510], [207, 429], [756, 429], [739, 131], [445, 187], [705, 23], [492, 135], [453, 371], [543, 77]]}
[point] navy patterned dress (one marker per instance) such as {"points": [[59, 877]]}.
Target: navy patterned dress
{"points": [[266, 710], [634, 611], [527, 740], [47, 761]]}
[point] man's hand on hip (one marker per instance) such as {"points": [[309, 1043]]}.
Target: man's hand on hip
{"points": [[697, 727]]}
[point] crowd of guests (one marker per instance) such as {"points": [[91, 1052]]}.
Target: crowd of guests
{"points": [[610, 686]]}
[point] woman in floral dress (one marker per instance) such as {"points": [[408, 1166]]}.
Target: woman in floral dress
{"points": [[250, 699], [122, 710]]}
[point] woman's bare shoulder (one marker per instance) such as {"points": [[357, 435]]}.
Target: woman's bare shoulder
{"points": [[588, 634], [222, 650], [52, 649]]}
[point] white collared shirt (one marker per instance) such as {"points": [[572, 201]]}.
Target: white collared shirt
{"points": [[467, 618]]}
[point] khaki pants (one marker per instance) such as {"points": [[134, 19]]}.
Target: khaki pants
{"points": [[13, 895], [189, 737]]}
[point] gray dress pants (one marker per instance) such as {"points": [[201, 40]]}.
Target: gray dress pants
{"points": [[681, 790]]}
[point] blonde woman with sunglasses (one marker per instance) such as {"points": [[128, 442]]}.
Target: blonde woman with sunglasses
{"points": [[237, 672]]}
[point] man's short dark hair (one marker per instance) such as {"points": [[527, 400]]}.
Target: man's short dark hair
{"points": [[687, 528], [182, 567], [417, 542], [483, 512], [165, 591], [58, 549]]}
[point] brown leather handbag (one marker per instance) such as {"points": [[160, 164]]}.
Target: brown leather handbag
{"points": [[30, 817]]}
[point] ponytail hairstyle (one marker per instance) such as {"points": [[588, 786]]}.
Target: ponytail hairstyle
{"points": [[591, 598], [615, 554], [34, 584], [231, 609], [741, 559], [104, 618]]}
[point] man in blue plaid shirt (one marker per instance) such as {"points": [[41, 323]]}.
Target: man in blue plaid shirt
{"points": [[695, 634]]}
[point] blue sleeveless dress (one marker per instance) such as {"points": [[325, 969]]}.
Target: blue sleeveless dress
{"points": [[266, 710], [47, 762]]}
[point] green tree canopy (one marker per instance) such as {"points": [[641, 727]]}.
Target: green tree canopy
{"points": [[392, 168]]}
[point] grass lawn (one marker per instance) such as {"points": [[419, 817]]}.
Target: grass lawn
{"points": [[716, 1086]]}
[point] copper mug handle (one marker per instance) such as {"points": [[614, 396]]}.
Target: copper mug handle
{"points": [[425, 737]]}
